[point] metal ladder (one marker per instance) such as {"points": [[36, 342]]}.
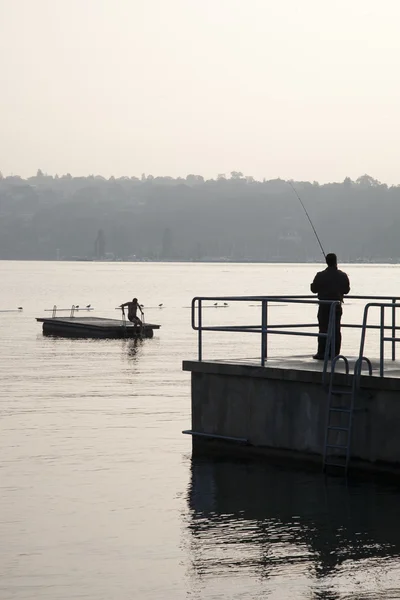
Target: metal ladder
{"points": [[340, 415]]}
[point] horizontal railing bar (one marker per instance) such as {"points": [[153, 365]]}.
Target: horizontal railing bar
{"points": [[275, 298], [342, 325], [258, 327], [295, 325], [381, 305], [232, 328], [368, 326], [240, 326], [303, 333], [244, 330], [357, 326], [265, 299], [372, 297], [255, 298]]}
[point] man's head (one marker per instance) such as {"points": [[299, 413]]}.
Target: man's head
{"points": [[331, 260], [134, 300]]}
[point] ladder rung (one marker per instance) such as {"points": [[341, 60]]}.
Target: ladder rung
{"points": [[334, 428], [336, 446], [331, 464], [340, 409], [341, 391]]}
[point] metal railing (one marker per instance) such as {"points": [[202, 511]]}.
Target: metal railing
{"points": [[264, 328], [382, 327], [54, 311], [72, 310]]}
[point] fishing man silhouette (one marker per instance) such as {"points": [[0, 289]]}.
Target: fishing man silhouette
{"points": [[330, 284], [132, 311]]}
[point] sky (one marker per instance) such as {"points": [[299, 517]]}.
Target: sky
{"points": [[301, 89]]}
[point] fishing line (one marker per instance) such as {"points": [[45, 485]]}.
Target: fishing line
{"points": [[308, 217]]}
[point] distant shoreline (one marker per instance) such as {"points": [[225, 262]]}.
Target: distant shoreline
{"points": [[216, 261]]}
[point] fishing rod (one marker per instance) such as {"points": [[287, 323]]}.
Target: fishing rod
{"points": [[308, 217]]}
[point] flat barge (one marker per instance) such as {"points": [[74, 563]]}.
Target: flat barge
{"points": [[95, 327]]}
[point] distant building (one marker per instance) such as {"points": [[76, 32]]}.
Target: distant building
{"points": [[100, 245]]}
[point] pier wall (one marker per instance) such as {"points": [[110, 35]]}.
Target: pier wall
{"points": [[282, 413]]}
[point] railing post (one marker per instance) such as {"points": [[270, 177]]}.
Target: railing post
{"points": [[382, 342], [393, 329], [72, 310], [363, 330], [329, 341], [264, 325], [330, 334], [200, 349], [333, 340], [54, 311]]}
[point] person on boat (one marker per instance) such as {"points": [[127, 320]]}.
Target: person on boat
{"points": [[330, 284], [133, 307]]}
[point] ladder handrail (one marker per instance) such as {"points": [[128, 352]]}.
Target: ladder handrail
{"points": [[333, 367], [358, 368]]}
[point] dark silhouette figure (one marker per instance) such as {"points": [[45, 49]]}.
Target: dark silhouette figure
{"points": [[132, 311], [330, 284]]}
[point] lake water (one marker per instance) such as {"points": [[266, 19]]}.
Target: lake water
{"points": [[99, 496]]}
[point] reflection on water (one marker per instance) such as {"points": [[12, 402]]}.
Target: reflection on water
{"points": [[94, 470], [296, 532], [133, 347]]}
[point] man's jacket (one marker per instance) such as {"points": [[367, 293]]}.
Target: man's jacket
{"points": [[331, 284]]}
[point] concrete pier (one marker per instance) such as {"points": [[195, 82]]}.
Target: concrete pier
{"points": [[279, 411]]}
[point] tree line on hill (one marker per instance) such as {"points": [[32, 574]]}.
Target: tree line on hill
{"points": [[234, 218]]}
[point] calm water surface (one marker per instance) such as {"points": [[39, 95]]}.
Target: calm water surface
{"points": [[99, 496]]}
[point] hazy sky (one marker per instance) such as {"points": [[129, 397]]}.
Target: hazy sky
{"points": [[303, 89]]}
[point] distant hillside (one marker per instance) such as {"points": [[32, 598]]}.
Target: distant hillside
{"points": [[161, 218]]}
